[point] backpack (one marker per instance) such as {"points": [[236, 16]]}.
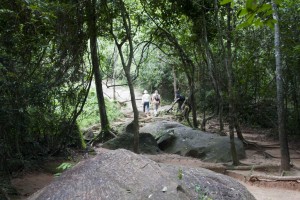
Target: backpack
{"points": [[180, 97], [157, 98]]}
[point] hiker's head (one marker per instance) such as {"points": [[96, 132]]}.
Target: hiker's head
{"points": [[145, 92], [156, 92]]}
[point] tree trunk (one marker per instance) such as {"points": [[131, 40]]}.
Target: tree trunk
{"points": [[222, 53], [284, 149], [174, 81], [238, 130], [136, 144], [126, 68], [193, 102], [92, 29], [210, 65], [115, 58], [230, 88]]}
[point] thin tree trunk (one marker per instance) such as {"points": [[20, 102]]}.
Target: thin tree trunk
{"points": [[80, 104], [284, 149], [115, 58], [238, 130], [91, 5], [126, 68], [230, 89], [193, 102], [210, 65], [221, 45], [174, 81]]}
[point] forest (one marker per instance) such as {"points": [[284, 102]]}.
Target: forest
{"points": [[236, 61]]}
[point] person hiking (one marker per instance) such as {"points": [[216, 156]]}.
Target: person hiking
{"points": [[146, 102], [155, 101], [179, 99], [184, 107]]}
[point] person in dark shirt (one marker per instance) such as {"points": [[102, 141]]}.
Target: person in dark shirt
{"points": [[179, 99]]}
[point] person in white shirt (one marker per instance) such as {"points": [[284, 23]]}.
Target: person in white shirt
{"points": [[146, 102]]}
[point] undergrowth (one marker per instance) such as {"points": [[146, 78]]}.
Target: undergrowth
{"points": [[90, 114]]}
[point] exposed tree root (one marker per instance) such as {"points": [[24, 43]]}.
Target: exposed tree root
{"points": [[254, 178], [252, 167], [261, 148], [112, 133], [99, 139]]}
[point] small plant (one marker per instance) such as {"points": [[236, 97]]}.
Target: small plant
{"points": [[63, 167], [201, 193], [246, 178], [284, 173], [180, 174]]}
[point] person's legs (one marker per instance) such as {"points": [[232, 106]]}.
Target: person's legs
{"points": [[180, 102], [147, 107], [155, 109]]}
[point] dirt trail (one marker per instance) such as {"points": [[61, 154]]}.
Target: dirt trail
{"points": [[32, 182]]}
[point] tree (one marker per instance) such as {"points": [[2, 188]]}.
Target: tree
{"points": [[253, 9], [43, 79], [284, 149], [164, 33], [127, 38], [230, 88], [92, 29]]}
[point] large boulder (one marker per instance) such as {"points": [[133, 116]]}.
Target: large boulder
{"points": [[173, 137], [147, 143], [121, 174]]}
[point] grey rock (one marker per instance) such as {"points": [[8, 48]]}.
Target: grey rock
{"points": [[173, 137], [147, 145], [121, 174]]}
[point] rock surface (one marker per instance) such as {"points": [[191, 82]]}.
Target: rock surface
{"points": [[175, 138], [147, 145], [121, 174]]}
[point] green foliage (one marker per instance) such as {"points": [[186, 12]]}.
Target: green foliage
{"points": [[224, 2], [42, 78], [63, 167], [90, 114], [257, 14], [156, 75]]}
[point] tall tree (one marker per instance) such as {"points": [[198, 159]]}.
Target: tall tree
{"points": [[212, 68], [126, 64], [230, 88], [92, 30], [254, 11], [284, 149]]}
